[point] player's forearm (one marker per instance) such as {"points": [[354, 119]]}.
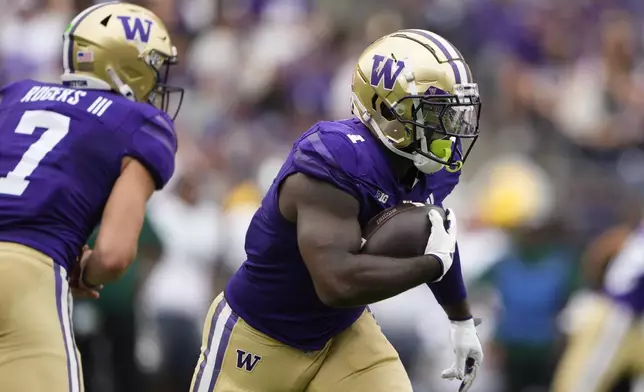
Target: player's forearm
{"points": [[365, 279], [105, 267], [458, 311]]}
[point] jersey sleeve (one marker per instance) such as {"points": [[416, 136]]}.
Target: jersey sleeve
{"points": [[446, 187], [451, 289], [154, 143], [328, 156]]}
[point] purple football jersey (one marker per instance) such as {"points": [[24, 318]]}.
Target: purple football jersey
{"points": [[60, 154], [273, 290], [624, 280]]}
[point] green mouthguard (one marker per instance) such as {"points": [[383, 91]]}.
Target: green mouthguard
{"points": [[442, 148]]}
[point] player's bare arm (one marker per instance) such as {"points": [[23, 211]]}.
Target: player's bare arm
{"points": [[329, 238], [116, 244]]}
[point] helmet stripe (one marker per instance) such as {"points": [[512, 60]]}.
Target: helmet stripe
{"points": [[68, 36], [456, 56], [453, 52], [439, 43], [462, 70], [448, 50]]}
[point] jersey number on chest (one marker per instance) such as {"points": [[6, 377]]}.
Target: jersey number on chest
{"points": [[56, 127]]}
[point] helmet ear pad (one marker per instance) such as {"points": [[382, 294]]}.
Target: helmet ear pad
{"points": [[399, 134]]}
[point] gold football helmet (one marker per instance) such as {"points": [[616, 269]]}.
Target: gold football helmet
{"points": [[121, 47], [415, 92]]}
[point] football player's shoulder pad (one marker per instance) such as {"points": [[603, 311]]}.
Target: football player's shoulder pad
{"points": [[328, 153], [16, 85], [153, 141], [13, 91]]}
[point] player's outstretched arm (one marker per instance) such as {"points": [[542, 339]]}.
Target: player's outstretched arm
{"points": [[116, 244], [329, 239]]}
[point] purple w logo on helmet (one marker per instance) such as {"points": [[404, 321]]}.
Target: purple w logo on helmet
{"points": [[140, 27], [383, 71]]}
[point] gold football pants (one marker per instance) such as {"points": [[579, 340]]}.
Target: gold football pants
{"points": [[608, 346], [37, 348], [236, 357]]}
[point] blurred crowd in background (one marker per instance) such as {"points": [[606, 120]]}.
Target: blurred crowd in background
{"points": [[557, 164]]}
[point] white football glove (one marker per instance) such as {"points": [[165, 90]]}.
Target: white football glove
{"points": [[442, 242], [467, 348]]}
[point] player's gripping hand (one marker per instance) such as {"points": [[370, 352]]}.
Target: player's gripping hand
{"points": [[468, 353], [442, 241], [76, 282]]}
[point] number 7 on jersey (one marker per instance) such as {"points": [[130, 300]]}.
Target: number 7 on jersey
{"points": [[57, 126]]}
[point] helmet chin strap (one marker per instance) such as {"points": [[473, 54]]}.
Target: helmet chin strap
{"points": [[427, 165], [123, 88]]}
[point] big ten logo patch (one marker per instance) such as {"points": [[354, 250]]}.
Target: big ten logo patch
{"points": [[383, 71], [247, 361], [136, 29], [382, 197]]}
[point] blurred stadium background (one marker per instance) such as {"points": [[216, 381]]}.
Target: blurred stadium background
{"points": [[557, 170]]}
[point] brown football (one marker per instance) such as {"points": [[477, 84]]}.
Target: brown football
{"points": [[401, 231]]}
